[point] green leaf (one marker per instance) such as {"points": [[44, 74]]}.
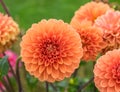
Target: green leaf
{"points": [[4, 66], [32, 82]]}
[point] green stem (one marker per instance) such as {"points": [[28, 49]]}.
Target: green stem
{"points": [[5, 84], [47, 86], [5, 7], [75, 73], [18, 75], [10, 84], [54, 87], [85, 85], [12, 71]]}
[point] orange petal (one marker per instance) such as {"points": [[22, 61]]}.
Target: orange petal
{"points": [[117, 88], [62, 68], [41, 69], [55, 73], [55, 65], [67, 61], [36, 73], [51, 79], [104, 83], [60, 61], [49, 69], [111, 82], [34, 67], [111, 89]]}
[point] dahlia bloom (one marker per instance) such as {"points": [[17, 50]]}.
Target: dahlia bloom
{"points": [[51, 50], [107, 72], [110, 25], [8, 32], [90, 11], [91, 37]]}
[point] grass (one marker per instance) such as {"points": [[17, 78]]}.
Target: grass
{"points": [[27, 12]]}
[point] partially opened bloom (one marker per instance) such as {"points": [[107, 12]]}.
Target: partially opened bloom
{"points": [[90, 11], [107, 72], [8, 32], [91, 38], [51, 50], [110, 25]]}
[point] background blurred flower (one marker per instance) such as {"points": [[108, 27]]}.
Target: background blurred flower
{"points": [[91, 38], [107, 72], [1, 87], [90, 11], [8, 32], [110, 24], [51, 50], [12, 57]]}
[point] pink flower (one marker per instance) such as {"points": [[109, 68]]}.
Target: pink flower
{"points": [[91, 38], [1, 86], [110, 25], [107, 72], [12, 57]]}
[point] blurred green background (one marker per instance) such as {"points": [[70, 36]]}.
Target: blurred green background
{"points": [[27, 12]]}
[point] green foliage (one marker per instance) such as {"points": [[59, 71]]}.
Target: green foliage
{"points": [[74, 84], [4, 66], [32, 82], [27, 12]]}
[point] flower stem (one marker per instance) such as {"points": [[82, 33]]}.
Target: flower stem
{"points": [[18, 75], [85, 85], [5, 84], [2, 90], [47, 86], [54, 87], [75, 73], [95, 89], [5, 7], [10, 84], [12, 71]]}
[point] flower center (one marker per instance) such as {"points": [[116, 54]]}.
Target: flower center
{"points": [[50, 50], [116, 72]]}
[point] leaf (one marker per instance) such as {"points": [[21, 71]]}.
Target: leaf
{"points": [[32, 82], [4, 66]]}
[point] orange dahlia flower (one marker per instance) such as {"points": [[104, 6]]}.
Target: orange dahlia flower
{"points": [[107, 72], [8, 32], [91, 37], [51, 50], [90, 11], [110, 24]]}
